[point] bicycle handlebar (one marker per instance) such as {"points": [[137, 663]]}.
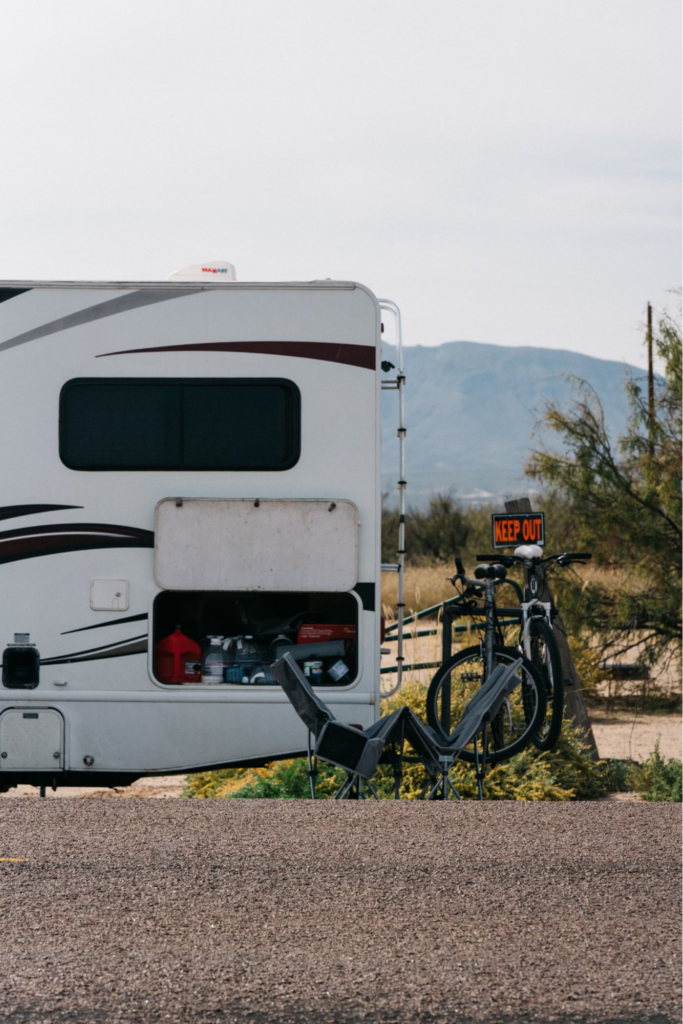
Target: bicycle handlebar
{"points": [[564, 559]]}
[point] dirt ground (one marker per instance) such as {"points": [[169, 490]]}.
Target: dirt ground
{"points": [[285, 912], [624, 734], [160, 787]]}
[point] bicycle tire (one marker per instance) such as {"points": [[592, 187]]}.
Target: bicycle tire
{"points": [[517, 722], [546, 659]]}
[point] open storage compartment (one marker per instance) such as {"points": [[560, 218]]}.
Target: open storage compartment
{"points": [[250, 629]]}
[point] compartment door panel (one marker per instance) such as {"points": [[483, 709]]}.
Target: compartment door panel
{"points": [[252, 544], [31, 739]]}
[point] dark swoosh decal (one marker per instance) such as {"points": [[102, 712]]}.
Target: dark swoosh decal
{"points": [[14, 511], [353, 355], [136, 645], [109, 622], [54, 540], [11, 293], [122, 304]]}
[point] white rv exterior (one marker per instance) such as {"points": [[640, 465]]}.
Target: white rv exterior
{"points": [[93, 554]]}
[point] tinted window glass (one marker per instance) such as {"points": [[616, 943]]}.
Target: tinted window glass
{"points": [[180, 424], [237, 426], [121, 426]]}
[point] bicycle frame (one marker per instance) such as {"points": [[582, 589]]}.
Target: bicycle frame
{"points": [[532, 565], [529, 608], [490, 628]]}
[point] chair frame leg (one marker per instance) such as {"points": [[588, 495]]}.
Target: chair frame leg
{"points": [[398, 764], [348, 784], [440, 782], [480, 767], [312, 767], [344, 788]]}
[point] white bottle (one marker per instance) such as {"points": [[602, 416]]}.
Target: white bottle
{"points": [[214, 661]]}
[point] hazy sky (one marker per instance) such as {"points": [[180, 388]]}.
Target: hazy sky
{"points": [[508, 172]]}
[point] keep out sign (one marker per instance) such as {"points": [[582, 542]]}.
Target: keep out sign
{"points": [[511, 530]]}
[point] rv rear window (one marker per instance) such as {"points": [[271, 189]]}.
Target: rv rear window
{"points": [[172, 424]]}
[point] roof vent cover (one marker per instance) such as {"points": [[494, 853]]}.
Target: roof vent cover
{"points": [[214, 271]]}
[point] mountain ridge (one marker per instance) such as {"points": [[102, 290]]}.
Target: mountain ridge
{"points": [[472, 409]]}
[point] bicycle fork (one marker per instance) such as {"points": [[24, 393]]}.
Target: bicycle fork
{"points": [[526, 622]]}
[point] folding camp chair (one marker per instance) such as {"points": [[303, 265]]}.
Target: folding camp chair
{"points": [[335, 743], [439, 755], [358, 751]]}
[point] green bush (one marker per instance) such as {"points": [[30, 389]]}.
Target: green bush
{"points": [[657, 780], [436, 534], [449, 527]]}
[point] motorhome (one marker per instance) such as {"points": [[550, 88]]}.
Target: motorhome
{"points": [[190, 484]]}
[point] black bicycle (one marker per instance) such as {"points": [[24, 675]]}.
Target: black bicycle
{"points": [[457, 680], [536, 636]]}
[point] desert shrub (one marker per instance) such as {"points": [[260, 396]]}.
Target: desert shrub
{"points": [[657, 779], [281, 779], [447, 528], [587, 662], [566, 773], [624, 495], [433, 534]]}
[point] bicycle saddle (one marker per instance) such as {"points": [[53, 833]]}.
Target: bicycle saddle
{"points": [[495, 571]]}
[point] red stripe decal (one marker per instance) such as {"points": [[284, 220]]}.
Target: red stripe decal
{"points": [[55, 540], [352, 355]]}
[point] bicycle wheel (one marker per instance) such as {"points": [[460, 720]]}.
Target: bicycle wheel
{"points": [[518, 720], [545, 657]]}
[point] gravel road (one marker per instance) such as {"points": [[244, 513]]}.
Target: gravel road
{"points": [[292, 911]]}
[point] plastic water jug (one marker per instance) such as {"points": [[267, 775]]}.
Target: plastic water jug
{"points": [[246, 656], [215, 660], [177, 659]]}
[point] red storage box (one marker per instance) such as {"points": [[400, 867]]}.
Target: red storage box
{"points": [[311, 633]]}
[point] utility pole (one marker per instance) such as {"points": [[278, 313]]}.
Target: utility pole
{"points": [[650, 384]]}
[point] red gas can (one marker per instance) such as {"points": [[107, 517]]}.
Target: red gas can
{"points": [[177, 659]]}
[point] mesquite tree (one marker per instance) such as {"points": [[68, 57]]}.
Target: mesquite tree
{"points": [[624, 499]]}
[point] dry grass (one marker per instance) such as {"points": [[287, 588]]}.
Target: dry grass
{"points": [[425, 585]]}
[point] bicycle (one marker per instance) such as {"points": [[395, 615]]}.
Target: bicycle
{"points": [[458, 679], [537, 638]]}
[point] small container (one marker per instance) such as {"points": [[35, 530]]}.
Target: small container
{"points": [[262, 676], [246, 657], [246, 649], [233, 673], [280, 641], [215, 661], [338, 670], [177, 659], [250, 646], [314, 671]]}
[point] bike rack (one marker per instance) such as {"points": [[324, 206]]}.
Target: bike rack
{"points": [[448, 629]]}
